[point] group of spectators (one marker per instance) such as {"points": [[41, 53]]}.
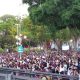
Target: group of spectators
{"points": [[66, 62]]}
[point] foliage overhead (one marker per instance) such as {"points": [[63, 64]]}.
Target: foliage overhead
{"points": [[35, 32], [7, 24], [55, 13], [7, 31]]}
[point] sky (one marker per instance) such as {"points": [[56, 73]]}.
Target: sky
{"points": [[13, 7]]}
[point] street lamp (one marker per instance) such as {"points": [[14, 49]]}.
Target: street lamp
{"points": [[71, 40], [71, 43], [19, 37], [19, 43], [25, 37]]}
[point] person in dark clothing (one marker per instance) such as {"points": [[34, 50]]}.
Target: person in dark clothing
{"points": [[78, 64], [64, 79]]}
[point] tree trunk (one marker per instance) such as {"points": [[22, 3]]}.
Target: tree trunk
{"points": [[59, 45], [75, 43]]}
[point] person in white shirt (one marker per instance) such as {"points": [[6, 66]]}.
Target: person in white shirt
{"points": [[62, 69]]}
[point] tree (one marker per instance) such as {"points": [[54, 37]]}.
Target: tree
{"points": [[61, 36], [56, 14], [64, 34], [7, 24], [35, 32], [7, 31]]}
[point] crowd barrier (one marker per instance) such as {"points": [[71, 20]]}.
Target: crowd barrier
{"points": [[18, 74]]}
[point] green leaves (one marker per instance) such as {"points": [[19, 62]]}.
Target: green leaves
{"points": [[59, 13], [36, 32], [7, 30], [64, 34]]}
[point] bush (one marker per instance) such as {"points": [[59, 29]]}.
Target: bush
{"points": [[1, 50], [26, 49]]}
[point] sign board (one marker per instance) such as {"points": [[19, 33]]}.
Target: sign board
{"points": [[65, 47], [20, 49]]}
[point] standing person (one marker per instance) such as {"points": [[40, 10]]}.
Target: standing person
{"points": [[69, 72], [57, 69], [62, 69], [79, 63]]}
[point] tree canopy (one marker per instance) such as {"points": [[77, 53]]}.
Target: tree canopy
{"points": [[57, 14], [35, 32], [7, 31]]}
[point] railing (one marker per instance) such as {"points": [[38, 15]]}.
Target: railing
{"points": [[17, 74]]}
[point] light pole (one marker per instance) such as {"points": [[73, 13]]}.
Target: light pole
{"points": [[20, 47], [19, 37]]}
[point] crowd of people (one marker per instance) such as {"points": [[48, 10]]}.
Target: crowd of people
{"points": [[67, 62]]}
